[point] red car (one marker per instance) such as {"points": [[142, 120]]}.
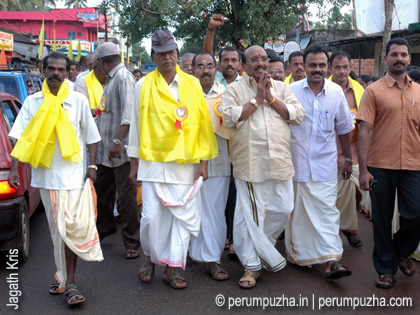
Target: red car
{"points": [[16, 206]]}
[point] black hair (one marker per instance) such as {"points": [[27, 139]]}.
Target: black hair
{"points": [[111, 58], [73, 63], [341, 54], [316, 49], [366, 78], [243, 59], [271, 54], [297, 53], [414, 75], [412, 68], [276, 60], [330, 49], [138, 71], [228, 49], [374, 79], [396, 41], [203, 53], [56, 55]]}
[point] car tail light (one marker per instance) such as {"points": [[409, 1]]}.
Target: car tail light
{"points": [[6, 191]]}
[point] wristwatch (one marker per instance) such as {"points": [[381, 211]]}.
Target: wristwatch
{"points": [[94, 167], [117, 141], [349, 160], [254, 102]]}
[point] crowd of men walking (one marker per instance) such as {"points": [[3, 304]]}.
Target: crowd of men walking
{"points": [[302, 149]]}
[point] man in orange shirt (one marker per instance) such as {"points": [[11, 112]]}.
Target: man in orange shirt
{"points": [[388, 151]]}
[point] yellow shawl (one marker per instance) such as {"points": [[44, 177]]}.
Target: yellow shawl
{"points": [[161, 136], [288, 79], [357, 90], [94, 88], [36, 144]]}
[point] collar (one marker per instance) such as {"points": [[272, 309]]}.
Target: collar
{"points": [[348, 87], [236, 79], [69, 100], [116, 68], [391, 81], [175, 80], [324, 87]]}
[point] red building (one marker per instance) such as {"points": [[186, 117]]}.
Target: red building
{"points": [[75, 24]]}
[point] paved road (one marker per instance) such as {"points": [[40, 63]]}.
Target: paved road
{"points": [[112, 286]]}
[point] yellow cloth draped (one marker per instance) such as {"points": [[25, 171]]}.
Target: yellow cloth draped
{"points": [[94, 88], [357, 90], [288, 79], [160, 139], [37, 142]]}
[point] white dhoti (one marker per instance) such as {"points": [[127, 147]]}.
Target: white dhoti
{"points": [[71, 216], [312, 236], [171, 218], [346, 199], [261, 214], [209, 245]]}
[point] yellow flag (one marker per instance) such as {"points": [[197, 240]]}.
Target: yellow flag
{"points": [[41, 39], [140, 62], [128, 60], [79, 51], [70, 51], [55, 45], [98, 44], [122, 56]]}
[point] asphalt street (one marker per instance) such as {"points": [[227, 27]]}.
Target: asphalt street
{"points": [[113, 287]]}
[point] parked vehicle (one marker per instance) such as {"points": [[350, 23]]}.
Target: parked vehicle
{"points": [[16, 205], [20, 83]]}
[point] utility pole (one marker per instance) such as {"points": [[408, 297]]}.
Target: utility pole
{"points": [[106, 24], [389, 9]]}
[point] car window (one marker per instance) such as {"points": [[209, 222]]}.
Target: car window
{"points": [[7, 105], [9, 85], [37, 85], [18, 104], [29, 85], [5, 117]]}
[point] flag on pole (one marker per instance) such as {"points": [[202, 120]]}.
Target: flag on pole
{"points": [[54, 43], [70, 51], [41, 39], [79, 51], [128, 59]]}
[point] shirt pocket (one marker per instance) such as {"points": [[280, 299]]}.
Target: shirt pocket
{"points": [[327, 121]]}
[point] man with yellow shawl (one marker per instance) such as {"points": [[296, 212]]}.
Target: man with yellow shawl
{"points": [[92, 85], [53, 128], [170, 133], [296, 67], [346, 189]]}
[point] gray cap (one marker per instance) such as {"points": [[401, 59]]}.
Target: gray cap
{"points": [[163, 41], [107, 49]]}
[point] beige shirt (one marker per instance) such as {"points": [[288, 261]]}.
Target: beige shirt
{"points": [[260, 144]]}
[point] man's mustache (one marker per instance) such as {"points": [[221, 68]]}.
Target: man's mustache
{"points": [[399, 63], [53, 77], [316, 72], [299, 70], [206, 75], [230, 67], [260, 67]]}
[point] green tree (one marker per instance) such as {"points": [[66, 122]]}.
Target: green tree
{"points": [[140, 53], [28, 5], [250, 20], [76, 3], [191, 46]]}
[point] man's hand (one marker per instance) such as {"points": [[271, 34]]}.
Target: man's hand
{"points": [[268, 96], [364, 179], [216, 21], [115, 151], [134, 166], [202, 171], [347, 170], [13, 179], [91, 173], [261, 88]]}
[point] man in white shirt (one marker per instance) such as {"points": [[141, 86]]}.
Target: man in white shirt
{"points": [[209, 244], [312, 236], [62, 175], [170, 134]]}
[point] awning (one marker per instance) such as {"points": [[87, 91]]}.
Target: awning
{"points": [[18, 56]]}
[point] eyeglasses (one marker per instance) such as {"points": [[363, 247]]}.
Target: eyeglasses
{"points": [[255, 59], [272, 72], [201, 67]]}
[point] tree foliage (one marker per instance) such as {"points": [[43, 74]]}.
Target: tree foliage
{"points": [[76, 3], [335, 20], [251, 20], [27, 5]]}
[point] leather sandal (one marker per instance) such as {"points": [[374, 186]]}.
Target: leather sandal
{"points": [[387, 280], [353, 239], [149, 269], [248, 277], [217, 272], [336, 272], [71, 293], [405, 263], [173, 279]]}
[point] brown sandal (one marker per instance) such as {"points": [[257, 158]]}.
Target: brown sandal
{"points": [[215, 270]]}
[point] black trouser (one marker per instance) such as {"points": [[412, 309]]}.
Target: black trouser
{"points": [[230, 210], [407, 185], [108, 181]]}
